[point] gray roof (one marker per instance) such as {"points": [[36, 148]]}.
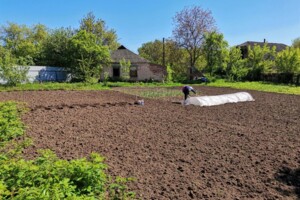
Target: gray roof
{"points": [[279, 46], [123, 52]]}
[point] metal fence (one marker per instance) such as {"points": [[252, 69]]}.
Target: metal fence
{"points": [[46, 74]]}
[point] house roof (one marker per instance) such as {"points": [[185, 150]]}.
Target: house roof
{"points": [[279, 46], [123, 53]]}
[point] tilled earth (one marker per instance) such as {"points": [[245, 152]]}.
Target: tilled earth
{"points": [[247, 150]]}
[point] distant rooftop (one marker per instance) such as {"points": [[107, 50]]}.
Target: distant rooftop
{"points": [[123, 53], [279, 46]]}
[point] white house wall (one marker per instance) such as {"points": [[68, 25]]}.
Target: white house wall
{"points": [[143, 72]]}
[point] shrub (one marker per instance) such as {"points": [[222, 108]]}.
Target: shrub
{"points": [[288, 61], [10, 71]]}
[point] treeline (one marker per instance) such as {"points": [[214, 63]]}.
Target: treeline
{"points": [[218, 59], [196, 43], [83, 51]]}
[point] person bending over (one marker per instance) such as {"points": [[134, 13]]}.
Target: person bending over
{"points": [[186, 91]]}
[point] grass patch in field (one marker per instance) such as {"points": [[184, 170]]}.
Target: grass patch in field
{"points": [[142, 84], [259, 86], [81, 86], [154, 93], [55, 86]]}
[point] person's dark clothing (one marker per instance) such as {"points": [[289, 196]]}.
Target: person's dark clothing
{"points": [[186, 91]]}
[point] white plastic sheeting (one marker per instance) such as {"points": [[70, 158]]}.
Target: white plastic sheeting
{"points": [[219, 99]]}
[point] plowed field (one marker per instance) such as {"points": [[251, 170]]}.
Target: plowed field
{"points": [[247, 150]]}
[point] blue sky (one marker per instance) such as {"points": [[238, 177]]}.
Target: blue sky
{"points": [[140, 21]]}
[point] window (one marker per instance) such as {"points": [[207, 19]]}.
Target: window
{"points": [[133, 72]]}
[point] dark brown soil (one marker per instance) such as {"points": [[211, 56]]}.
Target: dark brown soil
{"points": [[247, 150]]}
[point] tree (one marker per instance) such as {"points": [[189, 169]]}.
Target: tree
{"points": [[296, 43], [175, 57], [191, 24], [23, 41], [55, 51], [260, 60], [215, 51], [235, 69], [10, 71], [125, 68], [288, 60], [87, 58], [104, 35]]}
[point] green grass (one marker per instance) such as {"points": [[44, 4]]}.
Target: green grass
{"points": [[259, 86], [149, 92], [54, 86], [81, 86], [155, 93], [142, 84]]}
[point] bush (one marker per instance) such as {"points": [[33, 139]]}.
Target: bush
{"points": [[288, 61], [10, 123], [48, 177], [10, 71]]}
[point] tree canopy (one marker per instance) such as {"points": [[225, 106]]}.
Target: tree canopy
{"points": [[296, 43], [191, 24], [104, 36]]}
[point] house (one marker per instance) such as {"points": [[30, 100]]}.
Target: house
{"points": [[140, 69], [244, 46]]}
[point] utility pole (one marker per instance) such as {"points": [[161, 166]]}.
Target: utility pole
{"points": [[164, 64]]}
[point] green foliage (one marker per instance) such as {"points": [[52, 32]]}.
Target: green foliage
{"points": [[88, 58], [98, 28], [105, 78], [23, 41], [176, 57], [55, 51], [125, 68], [10, 71], [288, 60], [47, 176], [296, 43], [259, 86], [215, 51], [236, 70], [10, 123], [170, 72], [260, 60], [55, 86]]}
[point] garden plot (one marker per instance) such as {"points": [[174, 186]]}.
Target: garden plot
{"points": [[245, 151]]}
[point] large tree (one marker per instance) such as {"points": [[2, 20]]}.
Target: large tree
{"points": [[87, 58], [55, 50], [215, 49], [22, 41], [191, 24], [104, 35]]}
